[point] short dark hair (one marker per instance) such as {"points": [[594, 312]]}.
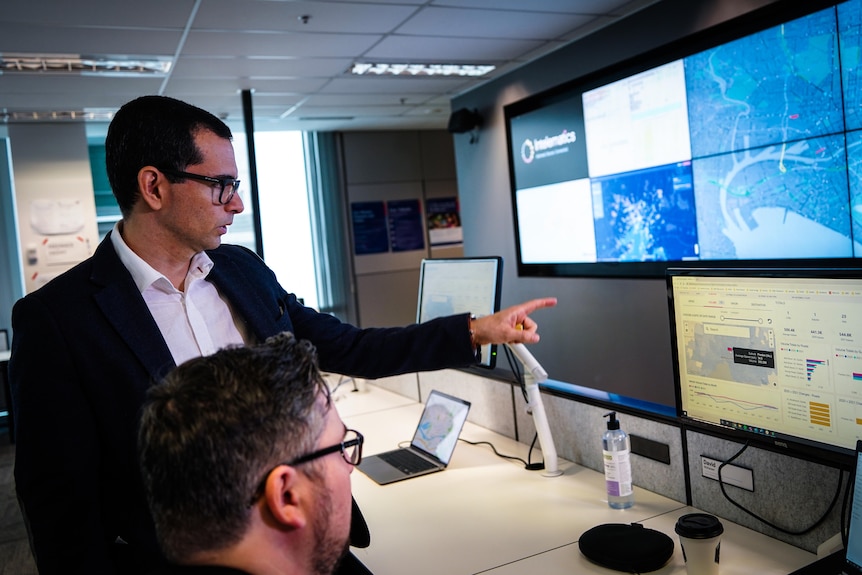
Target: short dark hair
{"points": [[154, 131], [211, 430]]}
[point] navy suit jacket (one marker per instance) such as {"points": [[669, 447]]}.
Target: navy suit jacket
{"points": [[86, 349]]}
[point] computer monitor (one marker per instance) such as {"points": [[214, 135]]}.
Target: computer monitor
{"points": [[449, 286], [773, 356]]}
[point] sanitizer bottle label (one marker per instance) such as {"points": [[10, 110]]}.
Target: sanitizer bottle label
{"points": [[618, 473]]}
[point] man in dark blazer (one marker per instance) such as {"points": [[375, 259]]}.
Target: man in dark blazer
{"points": [[158, 290]]}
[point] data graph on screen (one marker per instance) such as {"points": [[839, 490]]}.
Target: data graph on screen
{"points": [[773, 352]]}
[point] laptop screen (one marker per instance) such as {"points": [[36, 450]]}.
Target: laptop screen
{"points": [[854, 532], [440, 426]]}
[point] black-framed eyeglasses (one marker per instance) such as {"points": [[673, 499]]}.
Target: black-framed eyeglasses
{"points": [[350, 448], [227, 187]]}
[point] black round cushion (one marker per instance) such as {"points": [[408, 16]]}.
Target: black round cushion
{"points": [[626, 547]]}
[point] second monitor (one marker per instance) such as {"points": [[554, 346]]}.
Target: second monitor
{"points": [[461, 285]]}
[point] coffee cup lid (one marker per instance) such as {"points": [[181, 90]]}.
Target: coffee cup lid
{"points": [[699, 526]]}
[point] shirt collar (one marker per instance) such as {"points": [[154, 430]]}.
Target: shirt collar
{"points": [[143, 274]]}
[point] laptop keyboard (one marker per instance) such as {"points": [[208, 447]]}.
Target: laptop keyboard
{"points": [[406, 461]]}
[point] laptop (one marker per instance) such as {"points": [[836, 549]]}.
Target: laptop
{"points": [[847, 561], [432, 445]]}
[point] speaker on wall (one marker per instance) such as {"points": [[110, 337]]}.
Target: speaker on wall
{"points": [[464, 120]]}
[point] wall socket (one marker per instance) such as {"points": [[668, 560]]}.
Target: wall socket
{"points": [[730, 474]]}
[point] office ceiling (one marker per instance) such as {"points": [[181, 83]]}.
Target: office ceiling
{"points": [[295, 56]]}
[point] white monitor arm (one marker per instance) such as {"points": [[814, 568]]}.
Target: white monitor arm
{"points": [[534, 374]]}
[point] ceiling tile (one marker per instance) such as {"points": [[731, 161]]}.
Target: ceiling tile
{"points": [[275, 44], [53, 39], [469, 23], [451, 50], [324, 17], [98, 13], [392, 85], [286, 86], [592, 7]]}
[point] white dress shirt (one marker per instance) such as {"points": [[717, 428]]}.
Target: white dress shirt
{"points": [[196, 322]]}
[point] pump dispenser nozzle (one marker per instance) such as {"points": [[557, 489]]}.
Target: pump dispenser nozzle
{"points": [[613, 423]]}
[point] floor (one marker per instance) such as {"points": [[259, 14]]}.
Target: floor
{"points": [[15, 557]]}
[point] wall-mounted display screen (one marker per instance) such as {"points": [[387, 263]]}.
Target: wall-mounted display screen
{"points": [[750, 149], [770, 355]]}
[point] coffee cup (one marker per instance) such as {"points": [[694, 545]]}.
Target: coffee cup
{"points": [[700, 539]]}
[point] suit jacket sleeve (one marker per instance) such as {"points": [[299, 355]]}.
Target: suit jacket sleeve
{"points": [[342, 348]]}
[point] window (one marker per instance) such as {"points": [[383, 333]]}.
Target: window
{"points": [[285, 220]]}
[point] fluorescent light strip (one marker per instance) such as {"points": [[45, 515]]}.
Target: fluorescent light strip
{"points": [[88, 114], [84, 65], [380, 69]]}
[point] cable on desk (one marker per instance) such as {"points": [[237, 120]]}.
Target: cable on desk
{"points": [[527, 464], [767, 522]]}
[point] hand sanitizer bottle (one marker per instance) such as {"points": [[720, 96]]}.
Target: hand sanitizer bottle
{"points": [[618, 470]]}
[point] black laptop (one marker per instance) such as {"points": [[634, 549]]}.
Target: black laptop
{"points": [[431, 448], [847, 561]]}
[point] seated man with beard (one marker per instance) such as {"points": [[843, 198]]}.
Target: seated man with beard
{"points": [[246, 464]]}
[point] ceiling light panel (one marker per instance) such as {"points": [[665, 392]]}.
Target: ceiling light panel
{"points": [[382, 69]]}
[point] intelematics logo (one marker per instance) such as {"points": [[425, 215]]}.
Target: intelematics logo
{"points": [[528, 151], [547, 146]]}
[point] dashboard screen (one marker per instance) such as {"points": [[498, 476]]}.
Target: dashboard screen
{"points": [[773, 354]]}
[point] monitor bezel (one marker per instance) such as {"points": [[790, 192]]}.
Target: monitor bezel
{"points": [[795, 446]]}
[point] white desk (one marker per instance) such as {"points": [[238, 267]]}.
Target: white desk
{"points": [[487, 514]]}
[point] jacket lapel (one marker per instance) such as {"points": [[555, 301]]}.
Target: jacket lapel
{"points": [[245, 298], [118, 298]]}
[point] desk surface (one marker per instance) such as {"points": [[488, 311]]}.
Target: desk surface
{"points": [[487, 514]]}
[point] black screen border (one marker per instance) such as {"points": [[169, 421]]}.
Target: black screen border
{"points": [[794, 446], [755, 21]]}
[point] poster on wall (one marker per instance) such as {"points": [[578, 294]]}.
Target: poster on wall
{"points": [[406, 232], [54, 202], [370, 234], [57, 238], [444, 222]]}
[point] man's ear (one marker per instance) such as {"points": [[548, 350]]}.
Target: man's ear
{"points": [[149, 182], [285, 498]]}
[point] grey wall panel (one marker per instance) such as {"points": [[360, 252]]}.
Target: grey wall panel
{"points": [[789, 493], [380, 157], [388, 299], [577, 429]]}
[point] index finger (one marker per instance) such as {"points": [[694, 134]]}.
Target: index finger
{"points": [[539, 303]]}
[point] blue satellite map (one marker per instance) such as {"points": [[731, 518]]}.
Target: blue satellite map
{"points": [[766, 118], [647, 215]]}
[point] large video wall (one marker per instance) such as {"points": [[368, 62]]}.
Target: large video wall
{"points": [[749, 149]]}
